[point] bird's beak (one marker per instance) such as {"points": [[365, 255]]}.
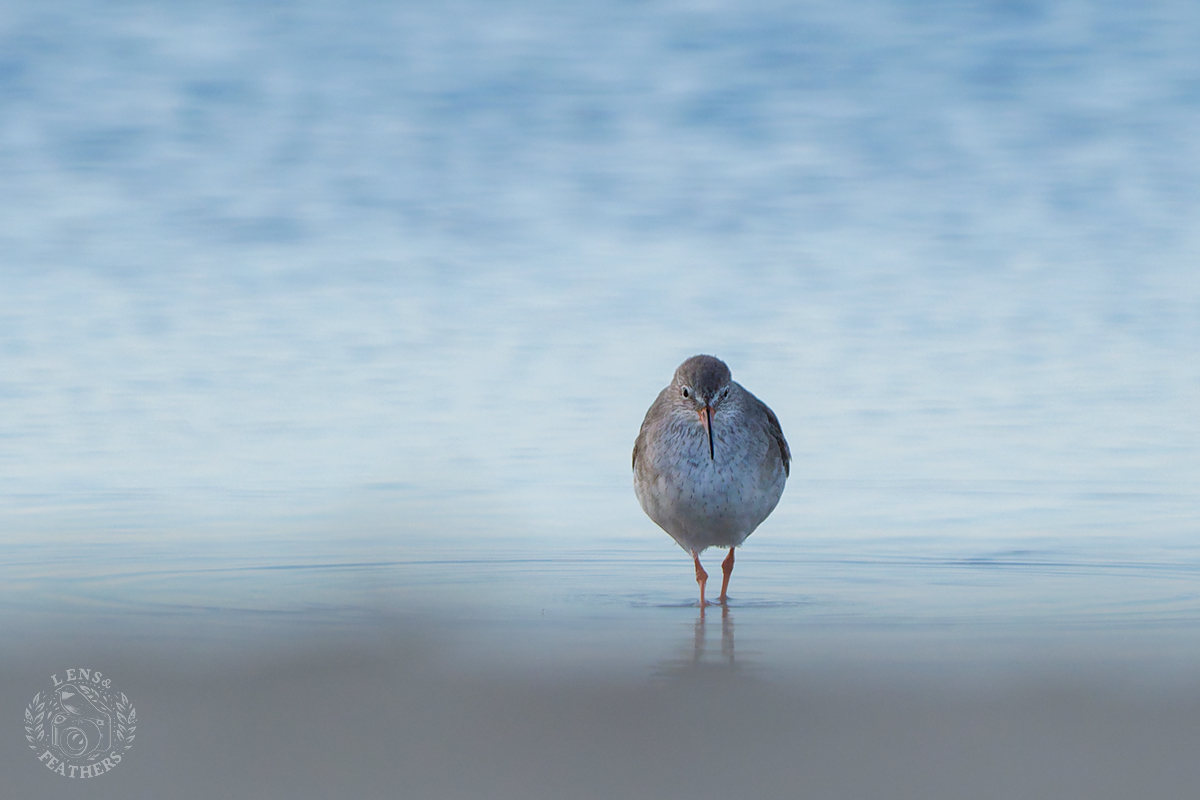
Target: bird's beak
{"points": [[706, 418]]}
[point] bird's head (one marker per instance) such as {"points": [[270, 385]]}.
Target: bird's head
{"points": [[701, 384]]}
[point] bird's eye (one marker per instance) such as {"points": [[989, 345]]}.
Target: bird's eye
{"points": [[687, 392]]}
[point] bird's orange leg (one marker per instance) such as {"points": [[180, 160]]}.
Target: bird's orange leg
{"points": [[701, 578], [727, 570]]}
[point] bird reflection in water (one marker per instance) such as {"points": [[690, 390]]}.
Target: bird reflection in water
{"points": [[698, 656]]}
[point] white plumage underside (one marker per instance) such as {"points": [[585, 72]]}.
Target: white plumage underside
{"points": [[708, 502]]}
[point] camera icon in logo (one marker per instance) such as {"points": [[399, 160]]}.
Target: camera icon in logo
{"points": [[79, 727]]}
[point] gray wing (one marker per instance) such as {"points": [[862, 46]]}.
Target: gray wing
{"points": [[775, 431], [644, 433]]}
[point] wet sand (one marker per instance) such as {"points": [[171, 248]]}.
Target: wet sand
{"points": [[891, 668], [422, 708]]}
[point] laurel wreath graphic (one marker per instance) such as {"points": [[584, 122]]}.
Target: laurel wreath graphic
{"points": [[35, 721], [35, 714], [126, 723]]}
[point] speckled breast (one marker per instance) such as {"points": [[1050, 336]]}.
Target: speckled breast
{"points": [[709, 502]]}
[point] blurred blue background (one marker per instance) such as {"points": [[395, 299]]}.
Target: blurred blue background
{"points": [[339, 266]]}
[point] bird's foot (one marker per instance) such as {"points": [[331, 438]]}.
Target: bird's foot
{"points": [[726, 572], [701, 578]]}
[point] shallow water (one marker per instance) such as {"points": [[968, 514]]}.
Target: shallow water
{"points": [[545, 605], [326, 329], [917, 667]]}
